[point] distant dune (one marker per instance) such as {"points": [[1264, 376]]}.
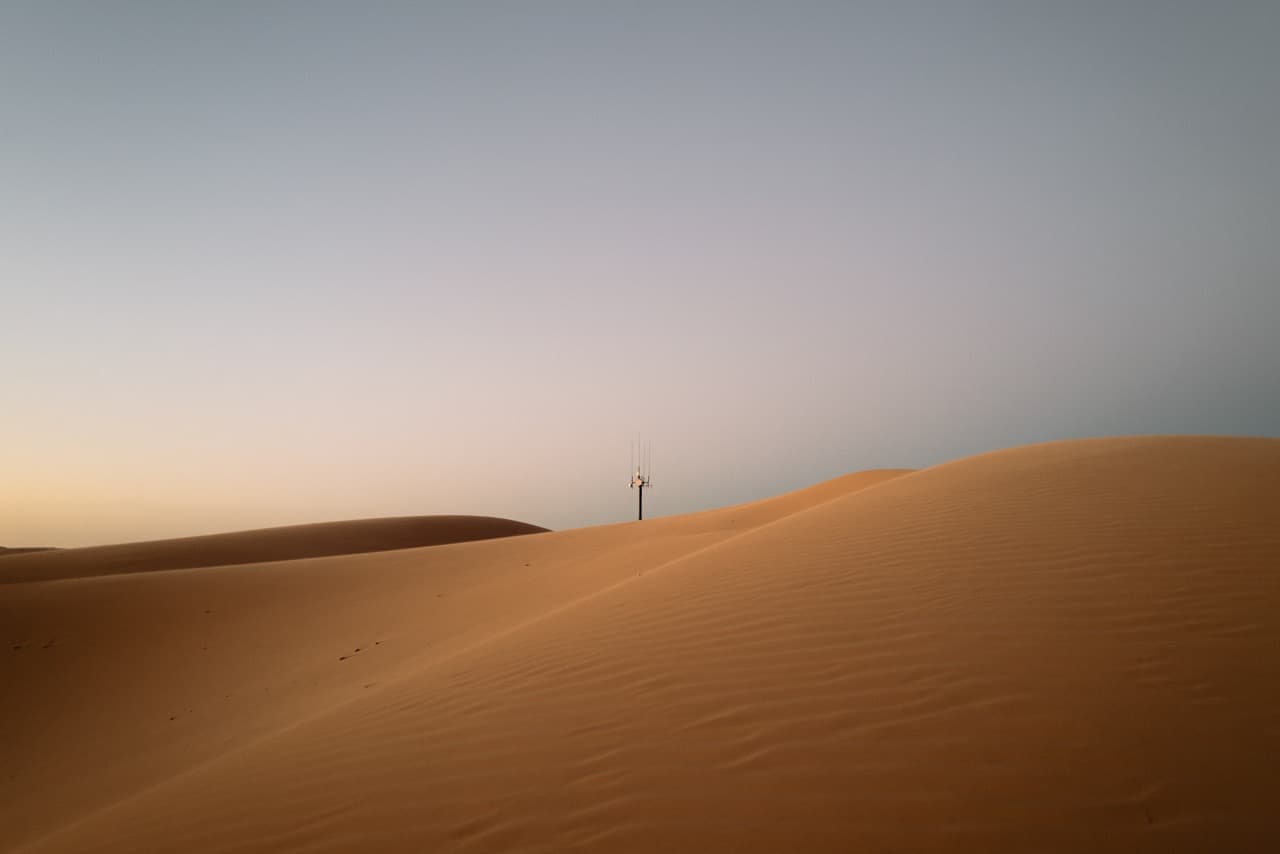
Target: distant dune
{"points": [[7, 551], [267, 544], [1058, 648]]}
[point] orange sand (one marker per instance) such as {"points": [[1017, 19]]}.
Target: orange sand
{"points": [[267, 544], [1064, 647]]}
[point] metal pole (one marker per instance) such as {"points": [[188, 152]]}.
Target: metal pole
{"points": [[641, 516]]}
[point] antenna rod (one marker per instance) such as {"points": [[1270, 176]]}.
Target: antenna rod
{"points": [[642, 456]]}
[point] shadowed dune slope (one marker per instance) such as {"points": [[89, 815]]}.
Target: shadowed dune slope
{"points": [[267, 544], [1062, 647], [9, 551]]}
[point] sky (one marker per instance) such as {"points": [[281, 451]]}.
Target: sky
{"points": [[277, 262]]}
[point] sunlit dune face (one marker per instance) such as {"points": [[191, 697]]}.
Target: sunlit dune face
{"points": [[1044, 648]]}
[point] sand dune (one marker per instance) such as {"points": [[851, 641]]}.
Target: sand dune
{"points": [[1063, 647], [267, 544], [7, 551], [274, 643]]}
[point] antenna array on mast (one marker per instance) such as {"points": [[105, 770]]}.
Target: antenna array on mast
{"points": [[641, 478]]}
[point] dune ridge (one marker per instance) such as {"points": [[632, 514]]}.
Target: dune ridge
{"points": [[289, 542], [1049, 648], [120, 637]]}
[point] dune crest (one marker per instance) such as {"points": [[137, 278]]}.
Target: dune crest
{"points": [[1062, 647], [289, 542]]}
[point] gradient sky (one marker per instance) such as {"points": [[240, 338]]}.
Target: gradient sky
{"points": [[276, 262]]}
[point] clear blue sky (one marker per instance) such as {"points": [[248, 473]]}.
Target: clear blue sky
{"points": [[273, 262]]}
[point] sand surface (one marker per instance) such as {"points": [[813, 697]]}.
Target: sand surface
{"points": [[1064, 647], [267, 544]]}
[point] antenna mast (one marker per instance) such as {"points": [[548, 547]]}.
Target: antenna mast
{"points": [[640, 480]]}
